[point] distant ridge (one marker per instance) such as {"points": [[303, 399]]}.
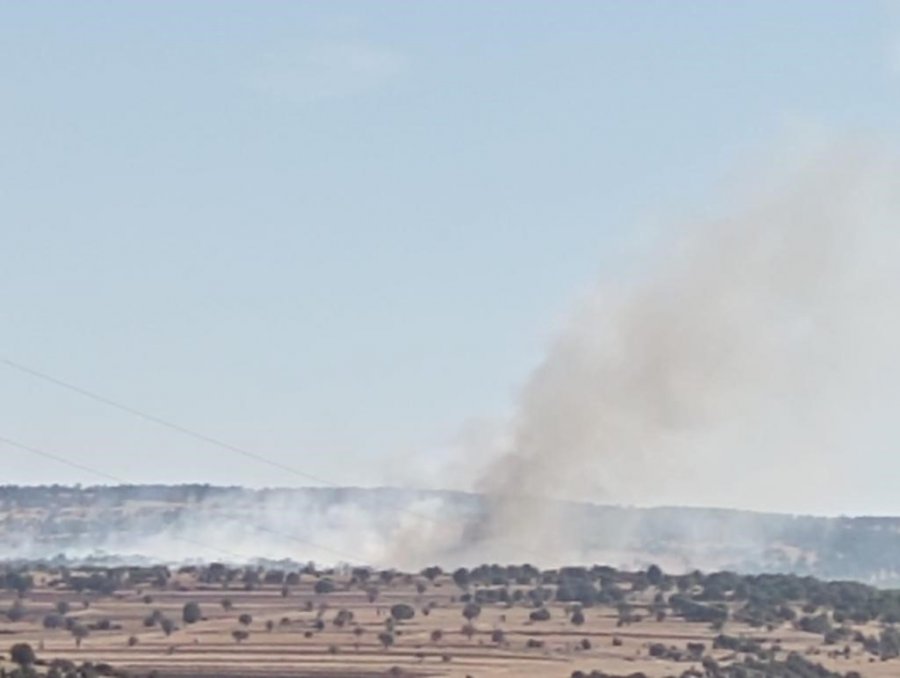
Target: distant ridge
{"points": [[138, 521]]}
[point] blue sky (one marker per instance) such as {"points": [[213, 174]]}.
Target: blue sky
{"points": [[336, 233]]}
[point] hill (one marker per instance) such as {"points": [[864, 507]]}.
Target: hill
{"points": [[412, 528]]}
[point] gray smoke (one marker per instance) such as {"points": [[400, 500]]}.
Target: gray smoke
{"points": [[749, 364], [751, 361]]}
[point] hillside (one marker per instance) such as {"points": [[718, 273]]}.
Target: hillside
{"points": [[394, 527]]}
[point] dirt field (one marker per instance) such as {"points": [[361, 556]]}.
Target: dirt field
{"points": [[283, 639]]}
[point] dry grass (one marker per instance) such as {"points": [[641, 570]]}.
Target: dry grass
{"points": [[295, 648]]}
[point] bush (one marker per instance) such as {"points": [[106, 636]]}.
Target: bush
{"points": [[889, 643], [16, 612], [461, 578], [402, 612], [22, 654], [471, 611], [191, 613], [746, 645], [386, 639], [819, 624], [324, 586], [54, 621], [539, 615]]}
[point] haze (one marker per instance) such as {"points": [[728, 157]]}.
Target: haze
{"points": [[390, 246]]}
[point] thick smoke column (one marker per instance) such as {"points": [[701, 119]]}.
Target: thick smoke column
{"points": [[745, 368]]}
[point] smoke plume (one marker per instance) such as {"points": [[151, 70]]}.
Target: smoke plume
{"points": [[750, 364]]}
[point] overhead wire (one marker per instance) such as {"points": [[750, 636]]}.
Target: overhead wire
{"points": [[205, 438], [193, 433], [121, 481]]}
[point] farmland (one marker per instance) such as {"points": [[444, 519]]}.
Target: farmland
{"points": [[217, 620]]}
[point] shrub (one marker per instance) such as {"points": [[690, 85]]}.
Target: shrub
{"points": [[471, 611], [402, 612], [819, 624], [324, 586], [16, 612], [539, 615], [22, 654], [54, 621], [343, 618]]}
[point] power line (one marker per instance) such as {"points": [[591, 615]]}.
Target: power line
{"points": [[179, 428], [61, 460], [121, 481], [197, 435], [160, 421]]}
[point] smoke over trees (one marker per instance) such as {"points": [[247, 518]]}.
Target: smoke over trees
{"points": [[762, 338]]}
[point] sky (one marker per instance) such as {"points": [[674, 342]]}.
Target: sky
{"points": [[342, 234]]}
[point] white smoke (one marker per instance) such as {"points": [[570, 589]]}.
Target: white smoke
{"points": [[753, 364]]}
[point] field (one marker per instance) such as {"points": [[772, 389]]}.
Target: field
{"points": [[292, 631]]}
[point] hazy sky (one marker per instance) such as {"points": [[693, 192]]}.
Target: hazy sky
{"points": [[337, 233]]}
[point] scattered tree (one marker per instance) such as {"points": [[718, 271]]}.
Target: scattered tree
{"points": [[402, 612], [23, 655], [471, 611], [539, 615], [324, 586], [386, 638], [79, 633], [16, 612], [191, 613]]}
